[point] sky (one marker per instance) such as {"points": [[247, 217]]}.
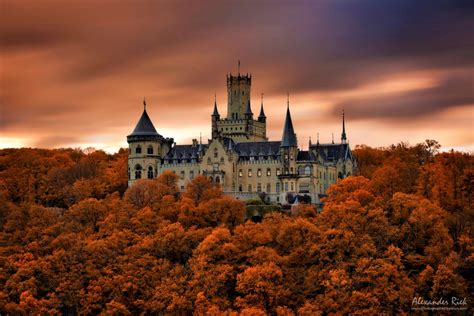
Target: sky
{"points": [[74, 73]]}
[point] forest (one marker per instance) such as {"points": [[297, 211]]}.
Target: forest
{"points": [[75, 240]]}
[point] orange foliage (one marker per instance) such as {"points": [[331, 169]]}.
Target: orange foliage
{"points": [[75, 240]]}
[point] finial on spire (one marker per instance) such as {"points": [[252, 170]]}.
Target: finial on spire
{"points": [[310, 144], [238, 67], [144, 104], [288, 99], [200, 138], [317, 140], [215, 98], [262, 98]]}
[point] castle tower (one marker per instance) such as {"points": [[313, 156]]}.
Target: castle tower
{"points": [[145, 149], [238, 95], [214, 118], [289, 144]]}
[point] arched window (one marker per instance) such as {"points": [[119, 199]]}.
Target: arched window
{"points": [[138, 171], [150, 172], [211, 179], [218, 180], [240, 188], [278, 187], [191, 174], [339, 175], [307, 170], [269, 188], [138, 150], [149, 150]]}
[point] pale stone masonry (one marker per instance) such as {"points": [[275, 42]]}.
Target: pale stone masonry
{"points": [[239, 155]]}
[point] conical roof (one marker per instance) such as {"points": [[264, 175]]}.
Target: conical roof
{"points": [[144, 126], [249, 109], [262, 113], [289, 137]]}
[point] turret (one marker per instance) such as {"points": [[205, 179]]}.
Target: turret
{"points": [[248, 111], [146, 147], [214, 118], [262, 118], [289, 144]]}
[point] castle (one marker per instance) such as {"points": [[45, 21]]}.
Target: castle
{"points": [[239, 155]]}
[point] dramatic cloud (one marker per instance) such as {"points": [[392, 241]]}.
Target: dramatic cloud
{"points": [[74, 74]]}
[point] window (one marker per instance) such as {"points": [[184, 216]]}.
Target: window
{"points": [[215, 167], [250, 173], [182, 188], [269, 172], [240, 173], [215, 152], [182, 174], [218, 180], [191, 174], [278, 187], [292, 186], [307, 170], [240, 188], [259, 187], [222, 159], [150, 172], [269, 188], [250, 188], [149, 150], [291, 157], [259, 172], [138, 150], [209, 160], [286, 186], [291, 170], [278, 171], [138, 171], [128, 173]]}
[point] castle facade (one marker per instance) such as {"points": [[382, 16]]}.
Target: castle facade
{"points": [[239, 155]]}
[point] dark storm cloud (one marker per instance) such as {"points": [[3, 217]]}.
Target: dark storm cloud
{"points": [[97, 59], [454, 91]]}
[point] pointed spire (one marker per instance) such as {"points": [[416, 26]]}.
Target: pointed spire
{"points": [[343, 135], [238, 67], [309, 143], [289, 136], [262, 117], [333, 138], [318, 140], [216, 112], [144, 104], [248, 111]]}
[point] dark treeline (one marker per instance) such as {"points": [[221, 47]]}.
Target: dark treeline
{"points": [[75, 240]]}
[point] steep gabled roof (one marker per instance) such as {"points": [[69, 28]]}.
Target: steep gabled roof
{"points": [[247, 148]]}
